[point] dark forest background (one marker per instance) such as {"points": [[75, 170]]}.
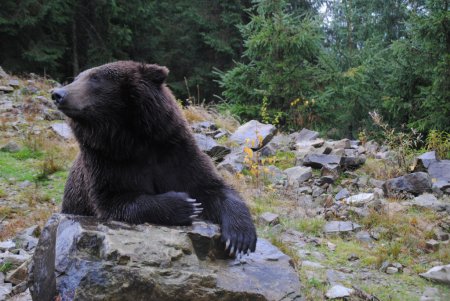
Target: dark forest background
{"points": [[317, 64]]}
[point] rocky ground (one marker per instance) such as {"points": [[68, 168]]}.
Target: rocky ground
{"points": [[354, 223]]}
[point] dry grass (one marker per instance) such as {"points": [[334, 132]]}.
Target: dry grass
{"points": [[197, 113], [404, 234], [21, 222], [380, 169]]}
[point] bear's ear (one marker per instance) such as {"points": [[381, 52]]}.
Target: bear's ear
{"points": [[154, 73]]}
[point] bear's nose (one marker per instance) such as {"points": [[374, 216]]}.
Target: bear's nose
{"points": [[58, 95]]}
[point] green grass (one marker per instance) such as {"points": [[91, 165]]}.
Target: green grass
{"points": [[5, 267], [19, 169], [53, 187], [284, 160], [27, 153], [400, 287], [313, 226]]}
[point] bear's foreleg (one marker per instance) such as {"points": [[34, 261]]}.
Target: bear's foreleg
{"points": [[171, 208]]}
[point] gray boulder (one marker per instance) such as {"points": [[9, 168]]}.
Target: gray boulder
{"points": [[118, 261], [211, 147], [11, 147], [3, 74], [359, 200], [352, 161], [233, 162], [424, 160], [305, 135], [63, 130], [340, 227], [415, 183], [319, 161], [338, 292], [427, 200], [297, 175], [371, 147], [203, 126], [253, 131], [439, 170], [438, 273], [342, 194]]}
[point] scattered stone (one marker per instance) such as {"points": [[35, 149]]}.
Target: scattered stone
{"points": [[343, 143], [211, 147], [360, 199], [440, 174], [3, 74], [363, 236], [25, 184], [352, 162], [14, 83], [331, 246], [342, 194], [11, 147], [28, 238], [319, 161], [423, 161], [327, 172], [297, 175], [201, 127], [415, 183], [5, 290], [432, 245], [257, 134], [269, 218], [431, 294], [317, 191], [353, 257], [325, 180], [63, 130], [312, 264], [391, 270], [427, 200], [398, 265], [117, 261], [441, 235], [438, 273], [233, 162], [338, 291], [371, 147], [306, 135], [221, 133], [7, 245], [15, 259], [335, 277], [384, 266], [6, 89], [18, 275], [337, 227], [24, 296], [376, 183]]}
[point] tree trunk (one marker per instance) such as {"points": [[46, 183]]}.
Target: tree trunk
{"points": [[75, 64]]}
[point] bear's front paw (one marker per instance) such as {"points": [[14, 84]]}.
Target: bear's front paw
{"points": [[239, 238], [181, 210]]}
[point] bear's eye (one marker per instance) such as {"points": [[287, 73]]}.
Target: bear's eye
{"points": [[94, 78]]}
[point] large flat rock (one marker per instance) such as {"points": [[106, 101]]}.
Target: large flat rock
{"points": [[117, 261], [253, 134]]}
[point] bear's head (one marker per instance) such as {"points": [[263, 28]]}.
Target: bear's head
{"points": [[120, 100]]}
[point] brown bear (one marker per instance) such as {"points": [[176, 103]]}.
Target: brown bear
{"points": [[138, 160]]}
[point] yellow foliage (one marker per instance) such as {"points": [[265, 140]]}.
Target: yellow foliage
{"points": [[249, 152]]}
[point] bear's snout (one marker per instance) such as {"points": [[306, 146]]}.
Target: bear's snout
{"points": [[58, 95]]}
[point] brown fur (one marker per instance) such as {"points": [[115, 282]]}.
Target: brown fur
{"points": [[138, 161]]}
